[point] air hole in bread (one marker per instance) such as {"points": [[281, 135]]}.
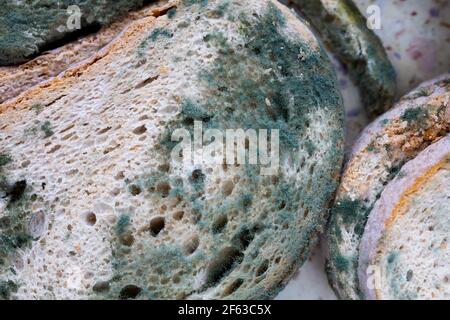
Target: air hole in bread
{"points": [[224, 262], [164, 167], [127, 239], [219, 223], [135, 190], [178, 215], [262, 268], [227, 188], [91, 218], [191, 245], [306, 213], [409, 275], [104, 130], [140, 130], [245, 236], [197, 176], [129, 292], [176, 279], [163, 188], [54, 149], [101, 286], [156, 225], [120, 175], [232, 287], [5, 222]]}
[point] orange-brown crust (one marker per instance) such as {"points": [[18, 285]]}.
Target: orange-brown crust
{"points": [[402, 205], [145, 20]]}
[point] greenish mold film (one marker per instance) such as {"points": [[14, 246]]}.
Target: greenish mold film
{"points": [[239, 77], [344, 30]]}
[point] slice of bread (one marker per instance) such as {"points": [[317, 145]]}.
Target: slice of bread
{"points": [[404, 252], [16, 79], [106, 212], [344, 30], [30, 27], [398, 136]]}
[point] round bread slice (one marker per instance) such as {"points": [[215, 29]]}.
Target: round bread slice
{"points": [[16, 79], [404, 252], [95, 202], [418, 120]]}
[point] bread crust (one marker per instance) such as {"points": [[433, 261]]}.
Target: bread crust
{"points": [[16, 79]]}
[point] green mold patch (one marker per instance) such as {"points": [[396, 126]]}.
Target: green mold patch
{"points": [[171, 13], [417, 115], [4, 159], [202, 3], [46, 128], [220, 10], [310, 147], [160, 33], [423, 92], [384, 122], [353, 213], [7, 288], [344, 30], [197, 180], [256, 81], [372, 147], [396, 278], [392, 258], [394, 171], [342, 263], [148, 275], [183, 24], [349, 10], [348, 209], [242, 81], [155, 35], [37, 107], [14, 234], [40, 129], [122, 224]]}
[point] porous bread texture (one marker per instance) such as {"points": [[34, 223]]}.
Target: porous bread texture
{"points": [[404, 251], [16, 79], [393, 139], [116, 217]]}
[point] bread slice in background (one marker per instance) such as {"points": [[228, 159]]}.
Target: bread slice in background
{"points": [[16, 79], [417, 121], [31, 27], [108, 214], [404, 252]]}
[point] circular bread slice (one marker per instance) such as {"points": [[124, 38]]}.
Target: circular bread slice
{"points": [[404, 252], [96, 203], [418, 120]]}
